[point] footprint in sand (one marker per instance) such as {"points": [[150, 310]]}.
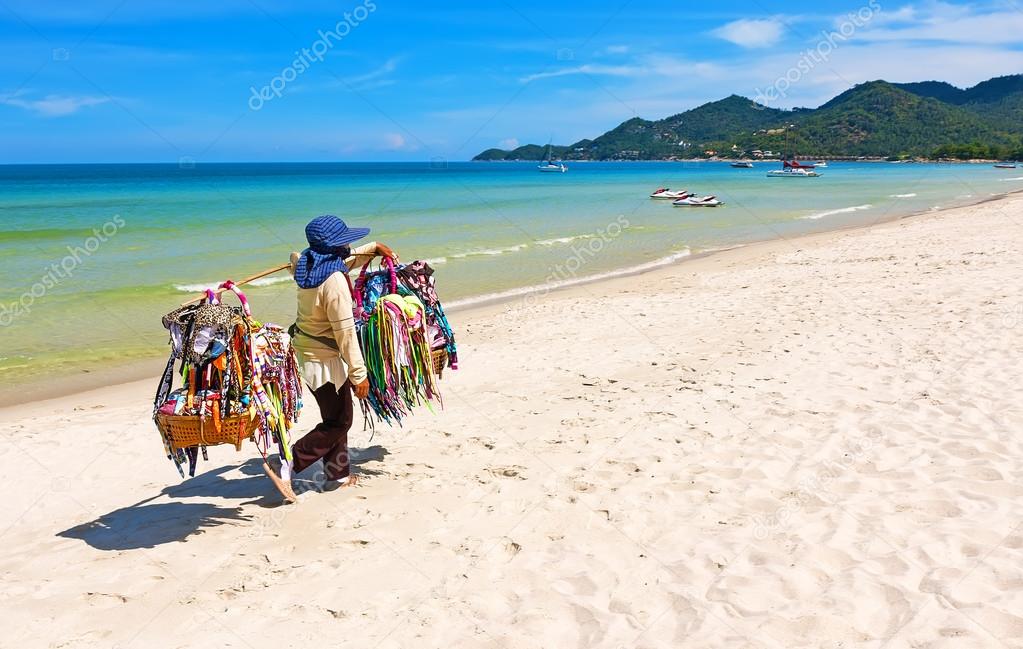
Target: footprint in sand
{"points": [[513, 471], [512, 548], [486, 443], [582, 486], [105, 600]]}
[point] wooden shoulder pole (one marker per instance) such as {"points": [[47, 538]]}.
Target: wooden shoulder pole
{"points": [[264, 273]]}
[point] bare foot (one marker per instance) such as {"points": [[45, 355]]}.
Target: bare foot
{"points": [[341, 483]]}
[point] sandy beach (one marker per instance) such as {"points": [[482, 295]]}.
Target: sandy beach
{"points": [[808, 442]]}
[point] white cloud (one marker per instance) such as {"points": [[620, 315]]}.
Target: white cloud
{"points": [[942, 22], [752, 33], [597, 70], [376, 78], [900, 15], [53, 105], [394, 141], [509, 143]]}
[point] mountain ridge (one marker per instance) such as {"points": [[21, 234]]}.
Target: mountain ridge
{"points": [[872, 119]]}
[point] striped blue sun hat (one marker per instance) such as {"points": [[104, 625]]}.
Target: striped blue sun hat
{"points": [[328, 238]]}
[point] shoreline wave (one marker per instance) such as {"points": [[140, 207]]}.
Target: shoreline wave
{"points": [[841, 210], [524, 291], [569, 239], [199, 287], [489, 252]]}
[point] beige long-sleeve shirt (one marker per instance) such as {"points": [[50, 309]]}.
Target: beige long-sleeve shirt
{"points": [[326, 311]]}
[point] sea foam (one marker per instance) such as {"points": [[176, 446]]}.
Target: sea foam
{"points": [[262, 281], [552, 242], [490, 251], [550, 286], [841, 210]]}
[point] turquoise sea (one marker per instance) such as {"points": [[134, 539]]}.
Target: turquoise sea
{"points": [[92, 255]]}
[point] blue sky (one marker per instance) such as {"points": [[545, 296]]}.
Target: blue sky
{"points": [[163, 80]]}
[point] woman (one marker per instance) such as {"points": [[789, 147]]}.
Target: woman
{"points": [[326, 343]]}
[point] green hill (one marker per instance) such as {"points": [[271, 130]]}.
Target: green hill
{"points": [[872, 119], [998, 101], [988, 92], [721, 120], [877, 118], [994, 90], [940, 90], [716, 123]]}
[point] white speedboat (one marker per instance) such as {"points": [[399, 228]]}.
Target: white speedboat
{"points": [[821, 165], [693, 201], [666, 193], [1005, 165], [742, 164], [792, 173]]}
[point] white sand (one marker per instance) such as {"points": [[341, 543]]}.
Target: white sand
{"points": [[809, 443]]}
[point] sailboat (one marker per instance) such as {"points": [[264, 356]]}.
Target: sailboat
{"points": [[548, 165], [793, 169]]}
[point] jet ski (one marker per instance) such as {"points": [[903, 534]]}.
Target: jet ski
{"points": [[666, 193], [693, 201]]}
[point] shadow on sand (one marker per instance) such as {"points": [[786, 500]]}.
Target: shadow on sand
{"points": [[146, 524]]}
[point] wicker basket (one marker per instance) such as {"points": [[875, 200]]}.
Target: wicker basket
{"points": [[440, 361], [184, 431]]}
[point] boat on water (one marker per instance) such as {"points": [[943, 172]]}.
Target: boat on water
{"points": [[551, 166], [548, 165], [665, 193], [792, 173], [793, 169], [821, 164], [796, 164], [1005, 165], [742, 164], [693, 201]]}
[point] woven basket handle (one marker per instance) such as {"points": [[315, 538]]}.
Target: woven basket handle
{"points": [[360, 283], [231, 286], [357, 309], [388, 263]]}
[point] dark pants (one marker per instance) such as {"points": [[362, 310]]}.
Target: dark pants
{"points": [[329, 440]]}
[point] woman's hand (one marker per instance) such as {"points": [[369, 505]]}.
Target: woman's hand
{"points": [[362, 389], [385, 251]]}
